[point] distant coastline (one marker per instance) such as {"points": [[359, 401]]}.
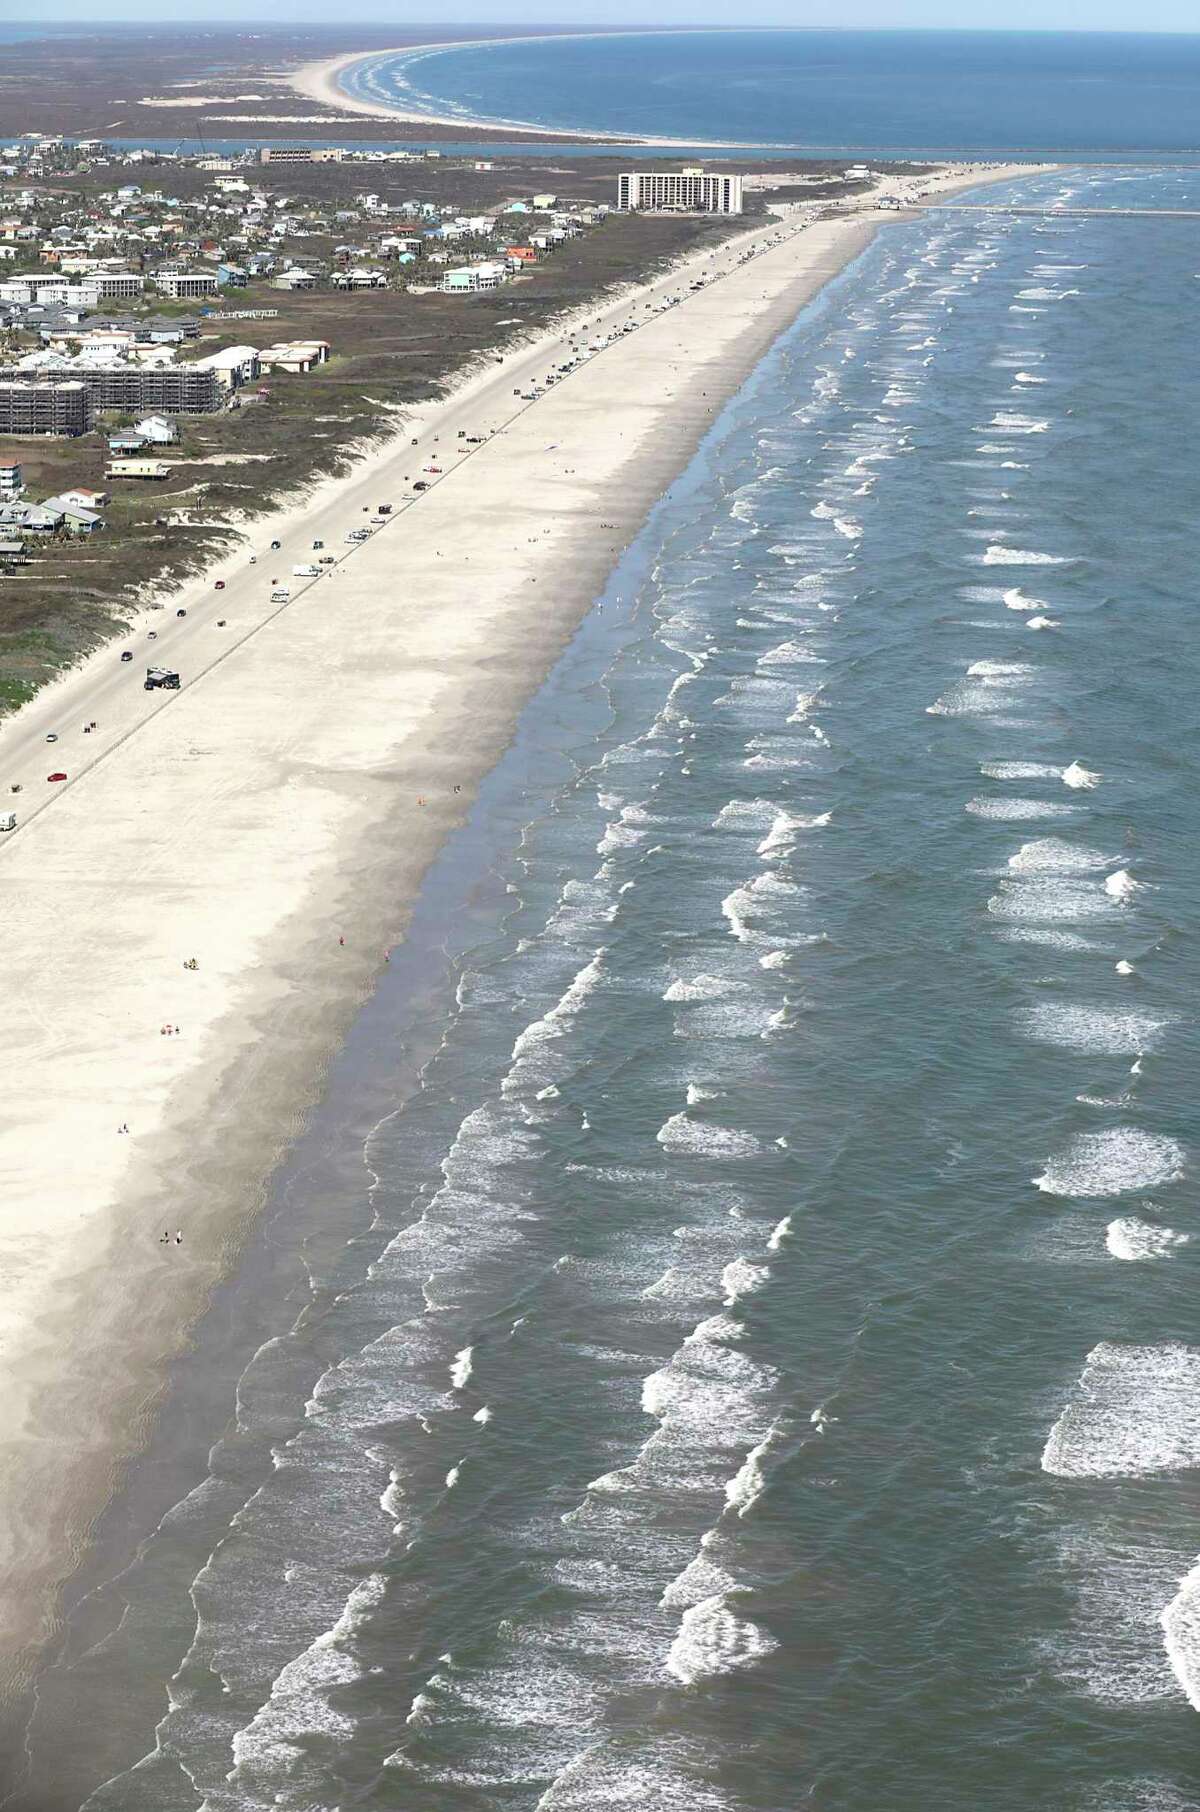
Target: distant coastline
{"points": [[322, 82]]}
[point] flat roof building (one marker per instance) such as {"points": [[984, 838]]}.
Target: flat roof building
{"points": [[46, 408], [688, 191], [187, 285]]}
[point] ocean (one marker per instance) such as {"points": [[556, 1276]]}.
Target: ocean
{"points": [[932, 92], [727, 1341]]}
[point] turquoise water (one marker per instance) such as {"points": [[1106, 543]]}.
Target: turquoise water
{"points": [[979, 92], [758, 1365]]}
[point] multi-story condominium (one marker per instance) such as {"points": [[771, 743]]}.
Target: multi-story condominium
{"points": [[687, 191], [45, 408]]}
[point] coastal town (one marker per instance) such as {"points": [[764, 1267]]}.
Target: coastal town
{"points": [[184, 339]]}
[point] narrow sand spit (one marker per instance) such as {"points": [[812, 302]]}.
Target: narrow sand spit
{"points": [[291, 795]]}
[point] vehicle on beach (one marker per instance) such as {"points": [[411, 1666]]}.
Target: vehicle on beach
{"points": [[306, 572], [55, 776], [420, 485], [317, 544], [327, 560], [275, 546], [53, 736], [220, 584], [385, 509], [8, 821], [127, 656], [220, 622], [161, 679], [181, 613], [281, 595], [358, 534]]}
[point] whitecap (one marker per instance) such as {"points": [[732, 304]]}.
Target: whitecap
{"points": [[1076, 775], [1113, 1162], [1135, 1412], [998, 555], [1122, 886], [684, 1137], [1131, 1239], [713, 1641], [1090, 1030], [1053, 855]]}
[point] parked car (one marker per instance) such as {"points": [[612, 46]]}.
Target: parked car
{"points": [[220, 585], [127, 656], [327, 560], [55, 776], [317, 544], [181, 613], [420, 485], [276, 544]]}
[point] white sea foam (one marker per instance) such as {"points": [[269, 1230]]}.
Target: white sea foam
{"points": [[1043, 623], [1121, 886], [1010, 422], [684, 1137], [1019, 770], [701, 987], [1076, 775], [460, 1370], [1015, 810], [713, 1641], [746, 813], [998, 555], [1090, 1030], [1113, 1162], [1053, 855], [1134, 1412], [1001, 670], [1131, 1239], [782, 834], [300, 1704], [1015, 599], [782, 1231], [742, 1278], [1181, 1638], [789, 654]]}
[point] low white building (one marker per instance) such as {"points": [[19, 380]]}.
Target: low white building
{"points": [[294, 355], [109, 286], [11, 483], [157, 430], [466, 279], [234, 365], [186, 286]]}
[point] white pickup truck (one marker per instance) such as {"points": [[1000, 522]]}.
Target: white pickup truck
{"points": [[306, 572]]}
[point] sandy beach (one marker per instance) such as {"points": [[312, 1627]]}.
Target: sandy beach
{"points": [[320, 81], [273, 820]]}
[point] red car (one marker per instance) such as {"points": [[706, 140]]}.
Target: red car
{"points": [[56, 777], [220, 585]]}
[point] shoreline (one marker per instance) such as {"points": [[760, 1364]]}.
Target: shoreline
{"points": [[319, 81], [249, 824]]}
